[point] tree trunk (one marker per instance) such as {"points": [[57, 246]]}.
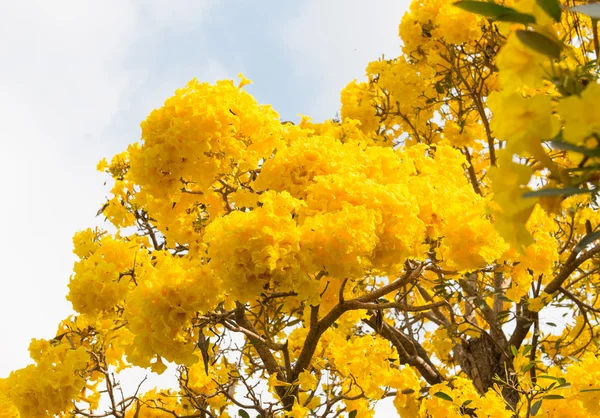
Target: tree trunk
{"points": [[481, 359]]}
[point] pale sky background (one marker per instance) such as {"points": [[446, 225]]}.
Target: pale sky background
{"points": [[77, 78]]}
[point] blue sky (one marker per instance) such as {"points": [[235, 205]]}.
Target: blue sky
{"points": [[78, 77]]}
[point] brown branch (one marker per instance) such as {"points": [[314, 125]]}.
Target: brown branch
{"points": [[409, 276], [261, 348], [317, 328], [472, 173], [354, 304], [527, 318], [409, 351], [582, 305], [265, 354], [570, 266], [480, 109], [436, 312], [488, 314], [252, 333]]}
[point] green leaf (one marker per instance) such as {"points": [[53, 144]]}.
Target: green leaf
{"points": [[535, 408], [552, 324], [527, 367], [526, 350], [565, 146], [495, 11], [294, 322], [243, 414], [467, 402], [567, 191], [591, 9], [587, 240], [523, 18], [551, 7], [443, 396], [590, 390], [353, 414], [540, 43], [554, 397], [575, 359], [503, 315], [544, 376], [514, 350]]}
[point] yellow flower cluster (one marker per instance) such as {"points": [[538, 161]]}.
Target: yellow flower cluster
{"points": [[207, 385], [48, 387], [200, 134], [395, 195], [461, 399], [7, 407], [257, 250], [102, 276], [428, 23], [159, 404], [348, 356], [159, 310]]}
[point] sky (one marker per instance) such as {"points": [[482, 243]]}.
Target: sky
{"points": [[77, 78]]}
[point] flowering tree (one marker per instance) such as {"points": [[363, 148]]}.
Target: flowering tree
{"points": [[415, 249]]}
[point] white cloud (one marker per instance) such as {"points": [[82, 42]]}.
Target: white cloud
{"points": [[332, 42], [181, 12], [64, 77]]}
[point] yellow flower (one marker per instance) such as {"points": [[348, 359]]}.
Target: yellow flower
{"points": [[519, 65], [102, 165], [536, 304], [298, 411], [49, 386], [523, 121], [581, 115], [307, 380], [511, 210], [243, 81]]}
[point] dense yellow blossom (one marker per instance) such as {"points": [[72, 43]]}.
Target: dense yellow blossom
{"points": [[187, 139], [102, 277], [161, 307], [48, 387]]}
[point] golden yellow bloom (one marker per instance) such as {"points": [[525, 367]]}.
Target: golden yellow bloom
{"points": [[48, 387], [581, 115], [512, 211], [519, 65], [523, 121]]}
